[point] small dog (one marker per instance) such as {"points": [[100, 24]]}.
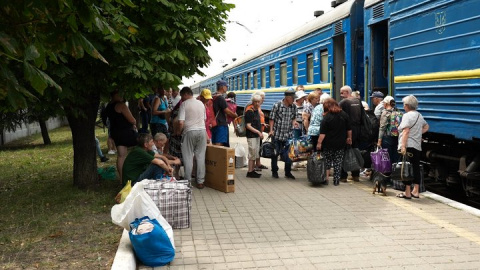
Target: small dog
{"points": [[379, 183]]}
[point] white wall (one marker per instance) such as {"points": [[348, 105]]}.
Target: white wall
{"points": [[33, 128]]}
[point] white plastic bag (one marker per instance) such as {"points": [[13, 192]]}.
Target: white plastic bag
{"points": [[240, 156], [137, 205]]}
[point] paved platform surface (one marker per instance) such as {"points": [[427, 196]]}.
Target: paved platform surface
{"points": [[288, 224]]}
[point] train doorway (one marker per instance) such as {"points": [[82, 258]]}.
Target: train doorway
{"points": [[339, 66], [379, 57]]}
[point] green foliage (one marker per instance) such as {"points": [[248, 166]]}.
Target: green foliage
{"points": [[144, 42]]}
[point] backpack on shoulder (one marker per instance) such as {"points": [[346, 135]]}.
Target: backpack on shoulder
{"points": [[393, 122]]}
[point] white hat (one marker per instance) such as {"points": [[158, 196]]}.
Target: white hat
{"points": [[300, 94], [388, 99]]}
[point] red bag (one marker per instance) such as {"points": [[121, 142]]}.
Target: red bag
{"points": [[211, 117]]}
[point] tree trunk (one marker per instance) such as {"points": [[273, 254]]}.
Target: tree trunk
{"points": [[43, 128], [85, 174]]}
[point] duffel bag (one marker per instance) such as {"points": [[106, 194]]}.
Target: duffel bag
{"points": [[316, 172], [267, 150]]}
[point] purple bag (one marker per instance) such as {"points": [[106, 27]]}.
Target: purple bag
{"points": [[381, 161]]}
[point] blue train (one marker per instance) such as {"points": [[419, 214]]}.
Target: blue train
{"points": [[428, 48]]}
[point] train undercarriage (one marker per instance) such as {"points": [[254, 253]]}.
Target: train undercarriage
{"points": [[453, 162]]}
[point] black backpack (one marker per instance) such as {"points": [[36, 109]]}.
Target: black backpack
{"points": [[369, 126]]}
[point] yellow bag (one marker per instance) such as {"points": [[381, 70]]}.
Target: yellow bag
{"points": [[124, 192]]}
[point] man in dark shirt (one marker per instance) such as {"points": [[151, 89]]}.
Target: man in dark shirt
{"points": [[221, 110], [254, 135], [142, 163], [353, 107], [282, 120]]}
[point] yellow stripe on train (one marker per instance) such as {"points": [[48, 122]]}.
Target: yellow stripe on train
{"points": [[440, 76]]}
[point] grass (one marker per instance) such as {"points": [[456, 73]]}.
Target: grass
{"points": [[46, 222]]}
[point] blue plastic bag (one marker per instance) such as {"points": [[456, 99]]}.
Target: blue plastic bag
{"points": [[152, 248]]}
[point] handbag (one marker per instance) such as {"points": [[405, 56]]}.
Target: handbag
{"points": [[300, 148], [350, 162], [381, 161], [402, 170], [267, 150]]}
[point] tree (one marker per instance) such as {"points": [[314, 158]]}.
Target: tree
{"points": [[131, 47]]}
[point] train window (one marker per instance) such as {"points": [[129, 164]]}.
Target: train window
{"points": [[295, 70], [243, 81], [238, 83], [324, 66], [249, 80], [255, 80], [310, 68], [283, 73], [264, 78], [272, 76]]}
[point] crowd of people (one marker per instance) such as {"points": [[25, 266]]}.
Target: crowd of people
{"points": [[182, 126], [332, 126]]}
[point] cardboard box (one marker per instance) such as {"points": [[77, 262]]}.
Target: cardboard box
{"points": [[220, 168]]}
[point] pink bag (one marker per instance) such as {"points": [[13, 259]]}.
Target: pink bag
{"points": [[233, 107], [381, 161]]}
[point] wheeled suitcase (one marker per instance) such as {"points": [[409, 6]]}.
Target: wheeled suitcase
{"points": [[174, 199], [316, 171]]}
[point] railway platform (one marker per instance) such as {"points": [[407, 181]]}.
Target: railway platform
{"points": [[280, 223]]}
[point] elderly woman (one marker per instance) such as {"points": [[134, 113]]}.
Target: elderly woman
{"points": [[254, 135], [312, 101], [388, 132], [316, 120], [259, 166], [410, 143], [335, 134]]}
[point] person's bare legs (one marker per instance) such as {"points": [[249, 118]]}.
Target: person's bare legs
{"points": [[121, 155]]}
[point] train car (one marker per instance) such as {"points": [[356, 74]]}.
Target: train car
{"points": [[430, 49], [325, 53]]}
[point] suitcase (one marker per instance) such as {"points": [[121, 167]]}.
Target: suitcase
{"points": [[399, 185], [316, 172], [174, 199]]}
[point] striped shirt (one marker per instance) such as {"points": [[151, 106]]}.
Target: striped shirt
{"points": [[282, 117]]}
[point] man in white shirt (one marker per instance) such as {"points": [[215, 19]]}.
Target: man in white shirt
{"points": [[175, 97], [191, 122]]}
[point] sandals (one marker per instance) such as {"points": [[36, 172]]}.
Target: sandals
{"points": [[416, 197], [403, 196]]}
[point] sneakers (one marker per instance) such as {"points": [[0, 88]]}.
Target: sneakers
{"points": [[112, 152], [253, 174], [289, 176], [335, 182], [200, 186], [274, 174], [104, 159]]}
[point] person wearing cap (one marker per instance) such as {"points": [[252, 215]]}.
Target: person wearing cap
{"points": [[353, 107], [259, 166], [221, 110], [377, 101], [388, 131], [191, 121], [206, 98], [282, 121]]}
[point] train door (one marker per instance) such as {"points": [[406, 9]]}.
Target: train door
{"points": [[339, 68], [379, 58]]}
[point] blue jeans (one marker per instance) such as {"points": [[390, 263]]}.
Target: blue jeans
{"points": [[97, 145], [152, 172], [391, 143], [280, 147], [145, 115]]}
